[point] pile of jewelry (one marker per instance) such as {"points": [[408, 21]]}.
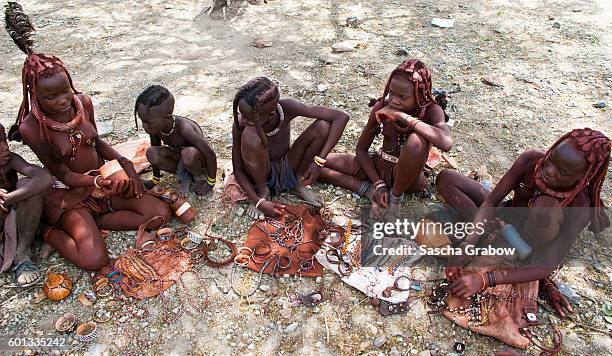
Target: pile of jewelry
{"points": [[476, 313]]}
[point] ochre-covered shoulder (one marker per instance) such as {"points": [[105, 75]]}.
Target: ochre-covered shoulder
{"points": [[529, 157]]}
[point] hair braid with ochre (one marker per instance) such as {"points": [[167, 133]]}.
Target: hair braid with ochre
{"points": [[256, 93], [595, 147], [35, 67], [416, 71]]}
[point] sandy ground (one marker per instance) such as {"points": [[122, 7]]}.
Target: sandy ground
{"points": [[551, 75]]}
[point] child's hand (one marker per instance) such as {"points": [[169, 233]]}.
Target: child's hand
{"points": [[312, 174], [271, 208], [389, 114], [466, 286], [381, 197], [134, 184], [456, 263], [113, 187]]}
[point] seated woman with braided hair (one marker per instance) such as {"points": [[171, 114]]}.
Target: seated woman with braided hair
{"points": [[58, 124], [262, 155], [186, 151], [569, 175], [412, 120]]}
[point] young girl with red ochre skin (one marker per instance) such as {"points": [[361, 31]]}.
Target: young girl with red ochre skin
{"points": [[58, 124], [263, 158], [411, 120], [569, 175]]}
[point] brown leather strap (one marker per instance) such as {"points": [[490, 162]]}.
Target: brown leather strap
{"points": [[557, 342], [142, 227]]}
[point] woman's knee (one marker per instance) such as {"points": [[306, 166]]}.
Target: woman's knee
{"points": [[416, 145], [94, 260], [92, 254]]}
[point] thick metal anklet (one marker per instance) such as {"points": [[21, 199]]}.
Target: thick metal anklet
{"points": [[396, 200]]}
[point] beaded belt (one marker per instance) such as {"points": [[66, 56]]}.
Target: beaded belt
{"points": [[387, 157]]}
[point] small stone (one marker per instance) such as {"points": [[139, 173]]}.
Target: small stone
{"points": [[233, 344], [379, 341], [402, 51], [339, 192], [346, 46], [321, 88], [329, 58], [262, 43], [264, 287], [373, 329], [286, 313], [425, 353], [123, 319], [291, 328], [318, 280], [352, 21], [394, 351], [168, 7], [251, 346], [600, 104], [556, 25], [492, 80], [240, 211]]}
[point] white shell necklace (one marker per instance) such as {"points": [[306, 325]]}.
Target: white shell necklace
{"points": [[281, 117]]}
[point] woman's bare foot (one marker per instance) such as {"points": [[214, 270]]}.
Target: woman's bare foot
{"points": [[308, 195], [256, 213], [27, 274]]}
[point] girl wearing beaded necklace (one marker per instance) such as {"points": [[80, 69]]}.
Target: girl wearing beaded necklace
{"points": [[569, 175], [58, 124], [264, 160], [185, 150], [411, 119]]}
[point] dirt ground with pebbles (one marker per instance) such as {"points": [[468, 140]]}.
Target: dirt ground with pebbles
{"points": [[553, 63]]}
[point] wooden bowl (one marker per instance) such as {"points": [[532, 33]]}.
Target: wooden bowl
{"points": [[58, 286]]}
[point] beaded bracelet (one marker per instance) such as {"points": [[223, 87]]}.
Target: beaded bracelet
{"points": [[156, 180], [491, 277], [211, 181]]}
